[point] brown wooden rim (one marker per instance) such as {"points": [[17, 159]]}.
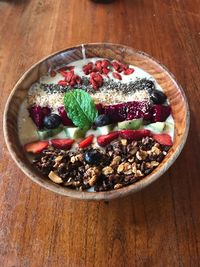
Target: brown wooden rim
{"points": [[107, 195]]}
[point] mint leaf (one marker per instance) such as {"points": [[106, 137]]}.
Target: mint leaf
{"points": [[80, 108]]}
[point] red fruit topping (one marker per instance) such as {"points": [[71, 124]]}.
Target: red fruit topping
{"points": [[129, 111], [69, 76], [160, 112], [117, 75], [36, 147], [37, 114], [62, 143], [64, 73], [65, 119], [163, 139], [66, 68], [105, 63], [86, 142], [78, 79], [134, 134], [124, 66], [116, 65], [63, 83], [52, 73], [88, 68], [98, 66], [100, 108], [96, 80], [104, 140], [105, 71], [128, 71]]}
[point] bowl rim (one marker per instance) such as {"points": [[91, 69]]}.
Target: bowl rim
{"points": [[105, 195]]}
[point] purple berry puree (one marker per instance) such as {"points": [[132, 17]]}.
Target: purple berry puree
{"points": [[37, 114]]}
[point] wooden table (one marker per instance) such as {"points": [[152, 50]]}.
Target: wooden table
{"points": [[159, 226]]}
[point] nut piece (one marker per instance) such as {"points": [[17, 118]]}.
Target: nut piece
{"points": [[120, 168], [91, 175], [57, 161], [124, 142], [75, 158], [107, 170], [115, 161], [55, 178]]}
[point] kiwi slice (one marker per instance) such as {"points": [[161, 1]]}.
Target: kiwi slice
{"points": [[156, 127], [74, 132], [105, 129], [45, 134], [130, 125]]}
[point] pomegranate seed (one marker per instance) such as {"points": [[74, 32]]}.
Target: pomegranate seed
{"points": [[117, 76], [52, 73], [129, 71]]}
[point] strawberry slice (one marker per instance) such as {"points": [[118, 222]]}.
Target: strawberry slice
{"points": [[134, 134], [36, 147], [62, 143], [104, 140], [86, 142], [163, 139]]}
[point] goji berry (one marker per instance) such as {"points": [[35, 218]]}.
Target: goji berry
{"points": [[117, 76]]}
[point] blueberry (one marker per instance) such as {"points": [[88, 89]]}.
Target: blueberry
{"points": [[102, 120], [148, 85], [52, 121], [158, 97], [92, 156]]}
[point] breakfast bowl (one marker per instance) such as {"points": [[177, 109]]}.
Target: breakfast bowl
{"points": [[107, 152]]}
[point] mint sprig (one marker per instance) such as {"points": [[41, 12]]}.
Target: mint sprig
{"points": [[80, 108]]}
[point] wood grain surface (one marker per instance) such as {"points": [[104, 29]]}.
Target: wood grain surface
{"points": [[158, 226]]}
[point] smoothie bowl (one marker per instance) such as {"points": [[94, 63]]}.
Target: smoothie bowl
{"points": [[96, 121]]}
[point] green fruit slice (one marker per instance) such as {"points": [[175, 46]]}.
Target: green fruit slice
{"points": [[74, 132], [130, 125], [169, 127], [156, 127], [105, 129], [45, 134]]}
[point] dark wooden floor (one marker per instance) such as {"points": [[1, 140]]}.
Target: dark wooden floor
{"points": [[159, 226]]}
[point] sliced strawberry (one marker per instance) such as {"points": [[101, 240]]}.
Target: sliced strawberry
{"points": [[69, 76], [117, 76], [163, 139], [86, 142], [134, 134], [36, 147], [52, 73], [104, 140], [128, 71], [62, 143]]}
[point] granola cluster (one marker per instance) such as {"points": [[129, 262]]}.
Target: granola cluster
{"points": [[120, 164]]}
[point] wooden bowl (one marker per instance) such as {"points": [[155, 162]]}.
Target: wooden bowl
{"points": [[173, 90]]}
